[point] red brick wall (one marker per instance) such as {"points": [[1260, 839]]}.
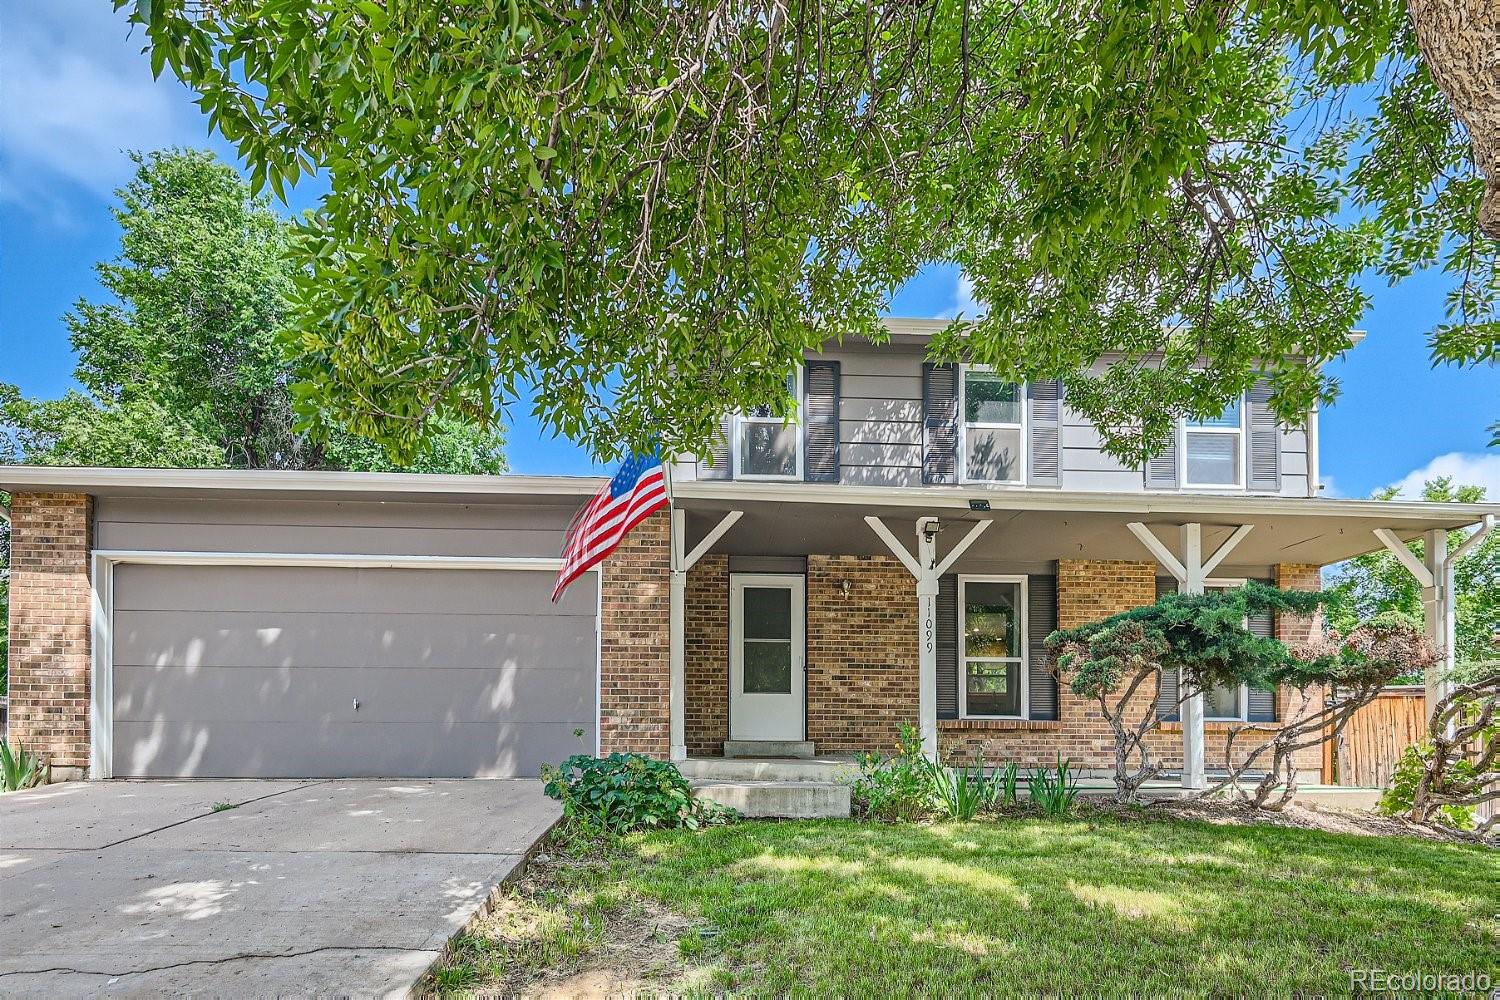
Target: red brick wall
{"points": [[707, 663], [50, 607], [861, 652], [634, 657]]}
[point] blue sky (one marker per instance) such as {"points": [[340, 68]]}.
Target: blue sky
{"points": [[75, 93]]}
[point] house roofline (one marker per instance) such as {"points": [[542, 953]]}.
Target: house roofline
{"points": [[1453, 515], [106, 481]]}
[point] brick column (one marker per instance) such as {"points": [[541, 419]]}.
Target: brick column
{"points": [[707, 656], [50, 608], [1089, 590], [635, 672], [861, 652], [1297, 576]]}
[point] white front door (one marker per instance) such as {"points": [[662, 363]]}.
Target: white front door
{"points": [[767, 633]]}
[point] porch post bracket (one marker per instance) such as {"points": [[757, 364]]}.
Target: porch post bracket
{"points": [[1163, 554], [1212, 562], [1434, 572], [677, 621], [1404, 556], [926, 569]]}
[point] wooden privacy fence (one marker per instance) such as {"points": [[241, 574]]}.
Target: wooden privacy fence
{"points": [[1375, 737]]}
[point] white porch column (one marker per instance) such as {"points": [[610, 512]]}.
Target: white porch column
{"points": [[1434, 572], [926, 570], [1437, 610], [681, 562], [1191, 572], [1192, 706], [677, 647], [927, 591]]}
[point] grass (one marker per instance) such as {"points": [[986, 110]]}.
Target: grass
{"points": [[1092, 905], [219, 807]]}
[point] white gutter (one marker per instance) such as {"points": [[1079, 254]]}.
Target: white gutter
{"points": [[262, 480], [1314, 473], [958, 497]]}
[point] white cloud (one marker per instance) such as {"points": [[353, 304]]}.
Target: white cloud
{"points": [[1465, 468], [75, 93], [964, 302]]}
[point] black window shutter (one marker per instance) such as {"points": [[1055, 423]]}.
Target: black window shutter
{"points": [[1265, 441], [820, 422], [1045, 465], [1161, 468], [1041, 621], [947, 647], [1167, 708], [715, 465], [1262, 701], [939, 423]]}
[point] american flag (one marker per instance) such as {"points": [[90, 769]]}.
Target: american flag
{"points": [[636, 492]]}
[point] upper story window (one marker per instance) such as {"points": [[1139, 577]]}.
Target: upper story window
{"points": [[994, 431], [992, 648], [1213, 450], [766, 446]]}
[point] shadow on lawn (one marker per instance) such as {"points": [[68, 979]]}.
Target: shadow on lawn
{"points": [[1086, 904]]}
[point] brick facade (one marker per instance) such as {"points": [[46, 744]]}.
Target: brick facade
{"points": [[635, 668], [50, 608], [706, 645], [861, 652]]}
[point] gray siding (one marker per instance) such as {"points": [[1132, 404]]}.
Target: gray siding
{"points": [[254, 672], [880, 431], [324, 526]]}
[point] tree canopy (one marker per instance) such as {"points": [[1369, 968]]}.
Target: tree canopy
{"points": [[649, 212], [183, 367]]}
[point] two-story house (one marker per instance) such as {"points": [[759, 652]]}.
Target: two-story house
{"points": [[898, 555]]}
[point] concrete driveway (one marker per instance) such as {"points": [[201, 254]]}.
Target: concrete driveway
{"points": [[303, 887]]}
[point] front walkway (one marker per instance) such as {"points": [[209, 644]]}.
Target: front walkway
{"points": [[303, 887]]}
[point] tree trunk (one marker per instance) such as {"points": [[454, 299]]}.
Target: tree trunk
{"points": [[1460, 43]]}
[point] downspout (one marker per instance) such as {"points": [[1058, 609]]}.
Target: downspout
{"points": [[1314, 473]]}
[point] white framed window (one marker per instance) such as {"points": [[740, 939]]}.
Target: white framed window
{"points": [[992, 647], [1226, 702], [766, 446], [992, 428], [1212, 455]]}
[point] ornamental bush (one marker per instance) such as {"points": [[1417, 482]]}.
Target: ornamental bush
{"points": [[629, 791]]}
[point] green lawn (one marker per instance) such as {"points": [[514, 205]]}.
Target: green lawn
{"points": [[1091, 905]]}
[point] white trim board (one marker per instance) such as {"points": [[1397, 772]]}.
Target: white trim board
{"points": [[101, 628]]}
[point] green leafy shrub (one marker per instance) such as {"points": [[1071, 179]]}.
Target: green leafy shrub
{"points": [[1054, 791], [1400, 798], [20, 769], [896, 789], [629, 791]]}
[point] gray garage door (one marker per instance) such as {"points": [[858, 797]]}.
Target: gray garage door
{"points": [[312, 672]]}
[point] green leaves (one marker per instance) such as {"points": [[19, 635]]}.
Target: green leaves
{"points": [[649, 214]]}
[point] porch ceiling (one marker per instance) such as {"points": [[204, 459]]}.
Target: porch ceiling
{"points": [[1034, 526]]}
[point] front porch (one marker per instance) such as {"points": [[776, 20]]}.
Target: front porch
{"points": [[871, 621]]}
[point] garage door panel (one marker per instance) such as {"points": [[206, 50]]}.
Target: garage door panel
{"points": [[335, 589], [299, 694], [342, 749], [290, 639], [457, 672], [415, 541]]}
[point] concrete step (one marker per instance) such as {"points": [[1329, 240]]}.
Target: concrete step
{"points": [[768, 748], [778, 799], [829, 769]]}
